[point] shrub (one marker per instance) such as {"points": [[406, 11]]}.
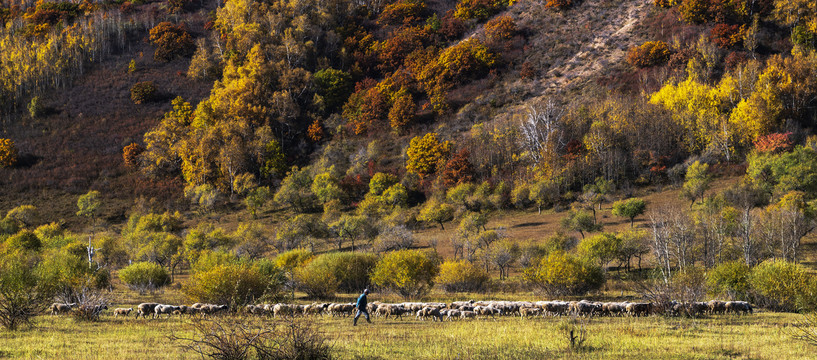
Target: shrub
{"points": [[560, 274], [233, 284], [409, 273], [462, 276], [730, 279], [559, 4], [144, 276], [143, 92], [500, 28], [402, 12], [171, 41], [8, 153], [24, 240], [783, 285], [478, 9], [694, 11], [130, 154], [351, 269], [726, 36], [317, 279], [648, 54], [24, 293]]}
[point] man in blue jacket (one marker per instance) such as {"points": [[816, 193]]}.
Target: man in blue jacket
{"points": [[362, 302]]}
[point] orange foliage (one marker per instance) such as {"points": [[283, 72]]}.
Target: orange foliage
{"points": [[404, 41], [402, 112], [500, 28], [727, 36], [130, 154], [458, 169], [365, 109], [171, 41], [648, 54], [451, 27], [561, 4], [774, 143], [315, 131]]}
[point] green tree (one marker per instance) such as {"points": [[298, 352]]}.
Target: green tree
{"points": [[409, 273], [581, 221], [24, 291], [604, 247], [697, 182], [256, 199], [325, 187], [436, 211], [295, 190], [335, 86], [88, 205], [629, 208], [351, 228]]}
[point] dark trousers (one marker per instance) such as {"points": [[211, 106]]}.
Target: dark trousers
{"points": [[357, 315]]}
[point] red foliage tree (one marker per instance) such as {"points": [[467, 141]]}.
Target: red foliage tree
{"points": [[365, 109], [130, 154], [458, 169], [404, 41], [451, 27], [402, 12], [726, 36], [500, 29], [774, 143]]}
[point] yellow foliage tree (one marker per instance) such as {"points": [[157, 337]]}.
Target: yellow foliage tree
{"points": [[425, 153]]}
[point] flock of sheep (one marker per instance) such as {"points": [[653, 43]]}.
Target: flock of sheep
{"points": [[440, 311]]}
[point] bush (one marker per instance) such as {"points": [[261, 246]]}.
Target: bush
{"points": [[409, 273], [560, 274], [783, 285], [317, 279], [8, 153], [650, 53], [478, 9], [394, 238], [24, 293], [24, 240], [726, 36], [500, 28], [171, 41], [233, 284], [730, 279], [143, 92], [351, 269], [559, 4], [462, 276], [142, 276], [130, 154]]}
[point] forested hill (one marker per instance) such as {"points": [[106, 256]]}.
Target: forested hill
{"points": [[251, 108]]}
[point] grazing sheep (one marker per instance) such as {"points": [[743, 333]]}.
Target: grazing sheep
{"points": [[430, 311], [393, 310], [530, 312], [556, 308], [468, 315], [145, 309], [122, 311], [716, 307], [452, 315], [738, 307], [165, 309], [61, 308], [639, 309], [342, 309], [585, 308]]}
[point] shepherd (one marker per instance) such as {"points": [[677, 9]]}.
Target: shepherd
{"points": [[362, 302]]}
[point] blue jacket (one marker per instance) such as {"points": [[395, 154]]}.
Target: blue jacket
{"points": [[362, 302]]}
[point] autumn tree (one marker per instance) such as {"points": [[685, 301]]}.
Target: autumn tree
{"points": [[478, 9], [88, 205], [629, 208], [315, 131], [458, 169], [402, 111], [8, 153], [171, 41], [500, 30], [425, 153], [402, 12], [143, 92], [365, 110], [697, 182], [649, 54], [130, 154]]}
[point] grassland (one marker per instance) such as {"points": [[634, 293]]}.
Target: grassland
{"points": [[764, 335]]}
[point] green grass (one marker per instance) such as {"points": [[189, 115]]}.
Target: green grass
{"points": [[764, 335]]}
